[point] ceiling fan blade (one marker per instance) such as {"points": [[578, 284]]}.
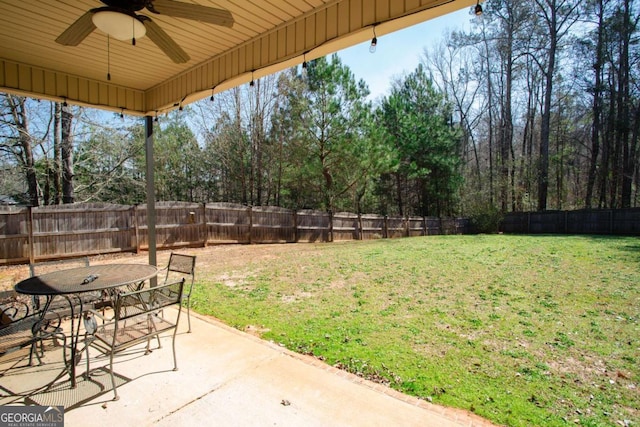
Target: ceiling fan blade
{"points": [[164, 42], [194, 12], [77, 31]]}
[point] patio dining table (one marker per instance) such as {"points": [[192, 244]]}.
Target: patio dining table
{"points": [[72, 283]]}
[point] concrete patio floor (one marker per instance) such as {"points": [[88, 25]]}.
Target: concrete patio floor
{"points": [[226, 378]]}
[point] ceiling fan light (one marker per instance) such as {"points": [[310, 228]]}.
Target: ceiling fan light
{"points": [[118, 25]]}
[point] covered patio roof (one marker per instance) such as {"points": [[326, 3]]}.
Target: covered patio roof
{"points": [[266, 36]]}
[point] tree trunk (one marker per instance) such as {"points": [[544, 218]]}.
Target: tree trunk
{"points": [[545, 125], [17, 109], [399, 198], [490, 112], [623, 111], [597, 101], [67, 155], [559, 16], [507, 131], [57, 153]]}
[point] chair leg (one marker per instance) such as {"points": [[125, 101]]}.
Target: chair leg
{"points": [[189, 313], [34, 350], [148, 349], [86, 347], [113, 378], [175, 359], [151, 326]]}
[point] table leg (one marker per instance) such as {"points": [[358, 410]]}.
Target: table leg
{"points": [[70, 365], [75, 338]]}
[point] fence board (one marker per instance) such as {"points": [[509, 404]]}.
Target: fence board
{"points": [[396, 227], [228, 223], [14, 234], [345, 226], [272, 225], [584, 221], [80, 229], [373, 227], [415, 226], [178, 224], [312, 226], [626, 221]]}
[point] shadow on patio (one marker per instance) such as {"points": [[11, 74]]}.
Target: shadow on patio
{"points": [[225, 378]]}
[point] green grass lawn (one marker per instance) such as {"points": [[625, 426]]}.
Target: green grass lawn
{"points": [[521, 330]]}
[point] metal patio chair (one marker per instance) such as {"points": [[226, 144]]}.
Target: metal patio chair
{"points": [[136, 319], [182, 266], [21, 327]]}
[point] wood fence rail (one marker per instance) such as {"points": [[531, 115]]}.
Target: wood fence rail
{"points": [[65, 231]]}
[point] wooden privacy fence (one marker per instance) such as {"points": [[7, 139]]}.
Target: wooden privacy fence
{"points": [[586, 221], [60, 231]]}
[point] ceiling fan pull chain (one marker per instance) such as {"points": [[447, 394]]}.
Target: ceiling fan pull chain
{"points": [[108, 59], [133, 31]]}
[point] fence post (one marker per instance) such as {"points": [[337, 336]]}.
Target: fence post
{"points": [[406, 226], [385, 227], [250, 212], [359, 227], [295, 226], [424, 226], [203, 227], [611, 221], [331, 226], [30, 232], [136, 229]]}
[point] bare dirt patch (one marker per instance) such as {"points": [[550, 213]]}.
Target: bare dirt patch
{"points": [[210, 260]]}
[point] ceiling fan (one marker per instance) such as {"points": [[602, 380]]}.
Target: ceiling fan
{"points": [[120, 15]]}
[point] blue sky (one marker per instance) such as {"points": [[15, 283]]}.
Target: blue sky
{"points": [[399, 52]]}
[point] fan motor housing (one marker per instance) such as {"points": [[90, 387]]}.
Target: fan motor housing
{"points": [[130, 5]]}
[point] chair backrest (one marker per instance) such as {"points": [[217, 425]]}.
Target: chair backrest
{"points": [[181, 266], [18, 325], [148, 300], [43, 267], [35, 269], [11, 310]]}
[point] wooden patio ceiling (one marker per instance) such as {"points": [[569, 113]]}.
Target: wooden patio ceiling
{"points": [[266, 36]]}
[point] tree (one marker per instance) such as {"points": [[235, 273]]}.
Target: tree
{"points": [[596, 89], [331, 132], [608, 61], [452, 68], [285, 153], [110, 162], [417, 124], [18, 142], [558, 16], [66, 154], [178, 161]]}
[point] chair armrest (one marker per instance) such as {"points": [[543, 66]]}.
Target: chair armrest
{"points": [[89, 320], [98, 314], [173, 281]]}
